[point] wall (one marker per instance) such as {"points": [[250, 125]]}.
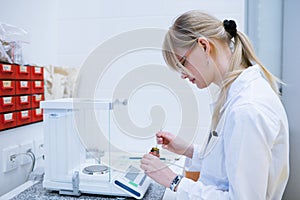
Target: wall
{"points": [[291, 95], [65, 33], [16, 137], [264, 28], [88, 25], [39, 20], [83, 25]]}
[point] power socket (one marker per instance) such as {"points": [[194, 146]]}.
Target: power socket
{"points": [[24, 148], [10, 158]]}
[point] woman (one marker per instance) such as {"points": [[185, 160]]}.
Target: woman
{"points": [[246, 155]]}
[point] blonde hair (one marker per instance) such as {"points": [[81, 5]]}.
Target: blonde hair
{"points": [[191, 25]]}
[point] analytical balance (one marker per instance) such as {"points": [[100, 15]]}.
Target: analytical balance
{"points": [[79, 157]]}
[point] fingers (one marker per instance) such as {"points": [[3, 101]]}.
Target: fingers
{"points": [[150, 163], [164, 137], [159, 138], [147, 158], [160, 134], [146, 163]]}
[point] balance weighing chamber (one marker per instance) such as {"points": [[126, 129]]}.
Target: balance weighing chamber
{"points": [[79, 155]]}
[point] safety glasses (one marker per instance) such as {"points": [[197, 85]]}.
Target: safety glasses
{"points": [[181, 65]]}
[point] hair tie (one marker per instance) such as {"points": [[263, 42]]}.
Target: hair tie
{"points": [[230, 27]]}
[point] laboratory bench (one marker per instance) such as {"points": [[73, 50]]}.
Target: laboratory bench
{"points": [[33, 190], [37, 192]]}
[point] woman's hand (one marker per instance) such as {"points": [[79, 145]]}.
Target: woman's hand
{"points": [[174, 144], [157, 170]]}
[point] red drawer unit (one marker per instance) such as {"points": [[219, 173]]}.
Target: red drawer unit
{"points": [[8, 120], [23, 87], [7, 87], [37, 73], [23, 72], [7, 104], [37, 87], [35, 100], [23, 102], [24, 117], [7, 71], [37, 115]]}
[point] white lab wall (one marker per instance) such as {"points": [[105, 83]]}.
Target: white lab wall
{"points": [[89, 25], [290, 91], [264, 28], [18, 136], [38, 18], [64, 33], [83, 25]]}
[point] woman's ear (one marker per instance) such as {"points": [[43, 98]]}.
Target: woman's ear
{"points": [[203, 42]]}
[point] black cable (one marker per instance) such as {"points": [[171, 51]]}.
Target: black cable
{"points": [[31, 154]]}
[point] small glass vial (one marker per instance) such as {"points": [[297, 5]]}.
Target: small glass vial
{"points": [[155, 151]]}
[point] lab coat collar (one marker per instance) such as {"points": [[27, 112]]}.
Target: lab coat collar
{"points": [[241, 82]]}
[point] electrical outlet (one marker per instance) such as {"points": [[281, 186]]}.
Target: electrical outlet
{"points": [[24, 148], [10, 158], [39, 148]]}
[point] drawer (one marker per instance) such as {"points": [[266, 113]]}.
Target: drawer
{"points": [[23, 72], [37, 73], [37, 115], [8, 120], [7, 87], [23, 87], [7, 104], [23, 117], [23, 102], [36, 99], [37, 87], [7, 71]]}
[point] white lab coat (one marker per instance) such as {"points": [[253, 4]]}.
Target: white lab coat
{"points": [[251, 157]]}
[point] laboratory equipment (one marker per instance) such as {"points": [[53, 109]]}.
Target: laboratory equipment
{"points": [[133, 182], [79, 157]]}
